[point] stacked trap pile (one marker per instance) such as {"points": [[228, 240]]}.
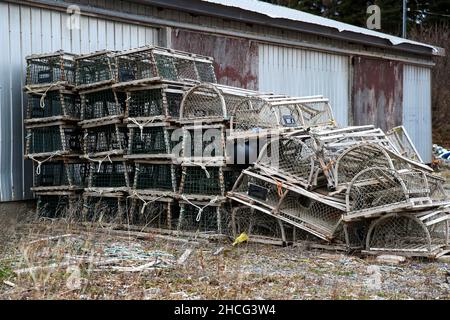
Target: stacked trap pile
{"points": [[351, 186], [53, 139]]}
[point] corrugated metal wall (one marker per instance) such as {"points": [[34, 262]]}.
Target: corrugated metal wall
{"points": [[417, 108], [302, 73], [25, 30]]}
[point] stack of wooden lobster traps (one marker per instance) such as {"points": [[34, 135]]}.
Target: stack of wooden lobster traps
{"points": [[147, 136]]}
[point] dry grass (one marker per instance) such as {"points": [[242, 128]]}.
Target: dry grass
{"points": [[248, 271]]}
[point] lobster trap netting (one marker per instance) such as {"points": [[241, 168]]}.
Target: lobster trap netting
{"points": [[210, 219], [57, 206], [198, 181], [231, 175], [60, 173], [154, 102], [52, 139], [402, 143], [157, 177], [316, 113], [108, 138], [205, 71], [105, 209], [94, 68], [103, 103], [204, 101], [398, 232], [312, 215], [436, 186], [255, 224], [376, 188], [154, 140], [114, 174], [50, 69], [201, 142], [249, 115], [55, 103], [291, 158], [152, 214], [254, 189]]}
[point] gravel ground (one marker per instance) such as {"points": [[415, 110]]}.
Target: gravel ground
{"points": [[248, 271]]}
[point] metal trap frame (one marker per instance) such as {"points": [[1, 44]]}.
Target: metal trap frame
{"points": [[420, 234], [149, 64], [105, 140], [62, 174], [155, 102], [156, 178], [95, 69], [102, 105], [154, 212], [105, 207], [112, 175], [150, 140], [52, 105], [377, 190], [52, 139], [50, 69]]}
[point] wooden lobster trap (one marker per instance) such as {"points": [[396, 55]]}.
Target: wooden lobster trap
{"points": [[157, 178], [424, 233], [48, 70], [209, 102], [154, 212], [53, 139], [95, 70], [154, 102], [104, 206], [150, 140], [63, 174], [58, 204], [207, 218], [102, 106], [110, 175], [105, 140], [149, 64], [52, 105]]}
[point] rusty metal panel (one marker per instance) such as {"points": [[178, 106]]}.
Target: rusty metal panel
{"points": [[377, 92], [417, 108], [235, 60]]}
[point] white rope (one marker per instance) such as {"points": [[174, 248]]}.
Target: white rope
{"points": [[201, 165], [44, 94], [141, 125], [135, 194], [200, 209], [100, 161], [38, 168]]}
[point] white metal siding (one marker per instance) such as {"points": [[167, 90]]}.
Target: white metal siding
{"points": [[304, 73], [417, 108], [25, 30]]}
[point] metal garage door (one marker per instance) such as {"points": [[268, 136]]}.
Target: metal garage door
{"points": [[417, 108], [26, 30], [303, 73]]}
